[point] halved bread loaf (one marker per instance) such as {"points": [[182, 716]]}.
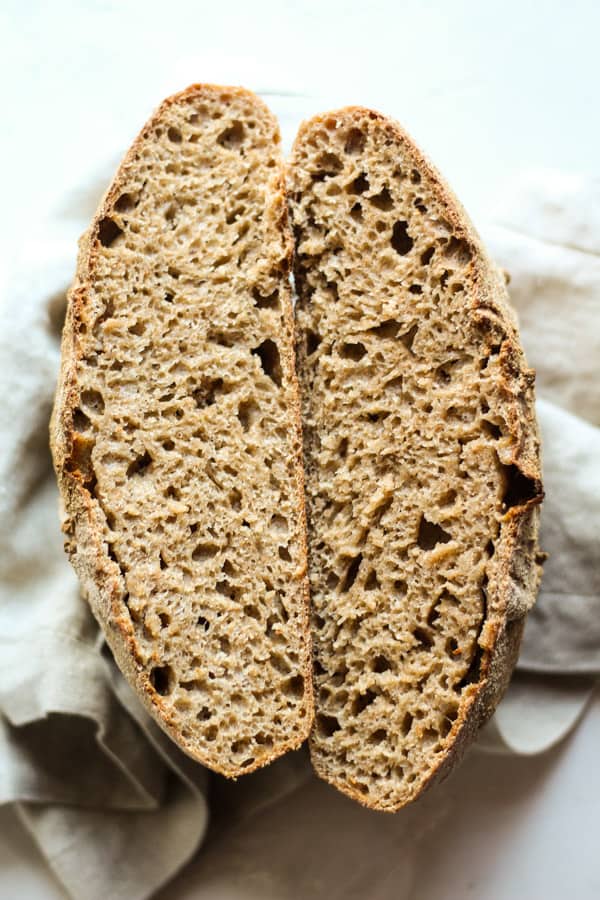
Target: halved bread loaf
{"points": [[421, 460], [176, 432]]}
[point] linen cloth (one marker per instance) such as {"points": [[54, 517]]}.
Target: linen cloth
{"points": [[114, 806]]}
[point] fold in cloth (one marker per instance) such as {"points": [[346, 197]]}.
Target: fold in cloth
{"points": [[114, 806]]}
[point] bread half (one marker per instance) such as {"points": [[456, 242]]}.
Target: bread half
{"points": [[176, 432], [421, 460]]}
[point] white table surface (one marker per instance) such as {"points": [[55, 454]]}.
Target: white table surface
{"points": [[488, 89]]}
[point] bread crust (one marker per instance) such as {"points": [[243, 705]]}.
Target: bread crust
{"points": [[84, 520], [516, 569]]}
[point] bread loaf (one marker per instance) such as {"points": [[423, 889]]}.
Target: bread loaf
{"points": [[176, 432], [421, 460]]}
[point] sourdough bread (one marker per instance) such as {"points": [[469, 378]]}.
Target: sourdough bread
{"points": [[176, 432], [421, 460]]}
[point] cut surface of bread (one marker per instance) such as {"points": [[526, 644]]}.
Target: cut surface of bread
{"points": [[176, 432], [421, 460]]}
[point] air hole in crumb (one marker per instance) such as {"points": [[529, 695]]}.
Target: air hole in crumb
{"points": [[248, 413], [235, 501], [452, 647], [332, 581], [312, 342], [448, 721], [252, 611], [359, 185], [329, 164], [161, 560], [386, 330], [343, 448], [284, 554], [407, 723], [204, 715], [355, 142], [519, 488], [433, 615], [279, 663], [271, 301], [203, 622], [490, 548], [400, 587], [459, 250], [108, 231], [492, 429], [431, 534], [165, 619], [377, 737], [140, 465], [268, 353], [355, 352], [137, 328], [427, 256], [423, 637], [447, 498], [382, 200], [211, 733], [372, 582], [327, 726], [206, 392], [294, 687], [110, 550], [356, 213], [428, 737], [92, 402], [204, 551], [351, 573], [174, 134], [125, 203], [80, 421], [401, 240], [415, 176], [279, 523], [169, 297], [232, 138], [381, 664], [415, 289], [363, 701], [227, 568], [408, 339], [162, 680]]}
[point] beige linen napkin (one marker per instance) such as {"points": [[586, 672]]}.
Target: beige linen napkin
{"points": [[114, 806]]}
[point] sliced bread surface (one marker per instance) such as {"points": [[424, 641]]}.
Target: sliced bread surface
{"points": [[176, 432], [421, 460]]}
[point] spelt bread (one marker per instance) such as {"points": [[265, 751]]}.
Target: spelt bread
{"points": [[176, 432], [421, 460]]}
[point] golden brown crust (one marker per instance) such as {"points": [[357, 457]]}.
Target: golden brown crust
{"points": [[85, 522], [515, 572]]}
